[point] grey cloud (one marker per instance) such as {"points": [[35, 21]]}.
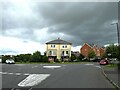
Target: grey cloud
{"points": [[79, 22]]}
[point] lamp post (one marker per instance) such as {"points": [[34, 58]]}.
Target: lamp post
{"points": [[118, 34]]}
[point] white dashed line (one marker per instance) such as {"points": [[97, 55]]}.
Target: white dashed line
{"points": [[52, 67], [98, 66], [33, 79], [34, 66], [17, 73], [89, 64], [26, 74], [0, 72], [4, 73], [10, 73]]}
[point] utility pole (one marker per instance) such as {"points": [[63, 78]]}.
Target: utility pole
{"points": [[118, 33]]}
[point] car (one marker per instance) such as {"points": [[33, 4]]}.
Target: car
{"points": [[10, 61], [104, 62]]}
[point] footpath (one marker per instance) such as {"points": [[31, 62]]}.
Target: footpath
{"points": [[112, 74]]}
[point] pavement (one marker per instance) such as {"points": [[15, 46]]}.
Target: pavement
{"points": [[53, 76], [111, 73]]}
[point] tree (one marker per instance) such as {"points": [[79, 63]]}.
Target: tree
{"points": [[73, 57], [103, 55], [45, 59], [91, 54], [5, 57], [36, 57], [113, 50], [81, 57]]}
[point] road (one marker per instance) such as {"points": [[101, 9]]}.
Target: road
{"points": [[53, 76]]}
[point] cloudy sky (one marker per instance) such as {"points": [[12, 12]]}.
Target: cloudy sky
{"points": [[26, 25]]}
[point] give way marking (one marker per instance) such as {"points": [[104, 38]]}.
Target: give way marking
{"points": [[33, 79]]}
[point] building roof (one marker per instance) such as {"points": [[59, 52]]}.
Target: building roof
{"points": [[58, 41]]}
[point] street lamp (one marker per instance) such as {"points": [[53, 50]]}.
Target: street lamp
{"points": [[117, 32]]}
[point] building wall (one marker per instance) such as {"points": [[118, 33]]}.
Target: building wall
{"points": [[58, 48], [102, 51], [85, 50]]}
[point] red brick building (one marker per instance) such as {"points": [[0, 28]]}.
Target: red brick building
{"points": [[87, 47]]}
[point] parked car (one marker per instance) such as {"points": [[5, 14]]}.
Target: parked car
{"points": [[10, 61], [104, 62]]}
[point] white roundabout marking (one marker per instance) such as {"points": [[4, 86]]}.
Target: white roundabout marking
{"points": [[89, 64], [98, 66], [51, 67], [33, 79]]}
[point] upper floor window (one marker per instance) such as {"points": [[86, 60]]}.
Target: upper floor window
{"points": [[64, 46], [53, 46]]}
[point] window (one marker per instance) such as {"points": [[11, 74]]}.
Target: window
{"points": [[66, 52], [65, 46], [53, 46]]}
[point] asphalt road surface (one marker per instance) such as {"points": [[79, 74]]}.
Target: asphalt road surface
{"points": [[53, 76]]}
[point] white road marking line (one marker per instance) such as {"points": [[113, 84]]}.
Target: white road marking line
{"points": [[89, 64], [26, 74], [33, 79], [0, 72], [52, 67], [98, 66], [4, 73], [17, 73], [34, 66], [10, 73]]}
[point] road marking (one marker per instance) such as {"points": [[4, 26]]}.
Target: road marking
{"points": [[98, 66], [10, 73], [89, 64], [26, 74], [33, 79], [17, 73], [4, 73], [34, 66], [52, 67]]}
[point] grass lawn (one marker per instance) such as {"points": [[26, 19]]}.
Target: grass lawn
{"points": [[111, 66]]}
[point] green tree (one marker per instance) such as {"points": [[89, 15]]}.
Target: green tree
{"points": [[36, 57], [73, 57], [27, 57], [5, 57], [113, 50], [91, 54], [45, 58], [103, 55], [81, 57]]}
